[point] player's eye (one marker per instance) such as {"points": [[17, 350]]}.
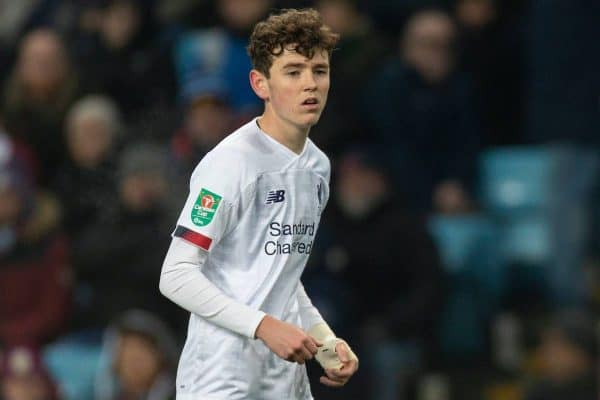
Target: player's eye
{"points": [[321, 72], [293, 73]]}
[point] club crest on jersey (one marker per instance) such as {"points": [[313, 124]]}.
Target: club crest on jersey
{"points": [[205, 207], [275, 196]]}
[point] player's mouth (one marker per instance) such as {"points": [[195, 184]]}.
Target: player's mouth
{"points": [[312, 103]]}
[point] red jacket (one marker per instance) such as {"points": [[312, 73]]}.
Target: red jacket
{"points": [[35, 288]]}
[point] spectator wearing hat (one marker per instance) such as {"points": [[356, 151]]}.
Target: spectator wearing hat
{"points": [[116, 258], [23, 376], [569, 356], [35, 274], [385, 269], [142, 354]]}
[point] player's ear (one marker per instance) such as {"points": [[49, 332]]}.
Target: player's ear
{"points": [[258, 81]]}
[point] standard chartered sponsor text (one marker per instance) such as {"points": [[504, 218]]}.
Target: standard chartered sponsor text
{"points": [[302, 238]]}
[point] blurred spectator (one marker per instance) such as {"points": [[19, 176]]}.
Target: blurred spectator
{"points": [[34, 262], [85, 181], [491, 43], [359, 51], [208, 118], [122, 56], [379, 251], [23, 376], [115, 259], [569, 353], [143, 357], [37, 95], [422, 111], [17, 17], [219, 54], [239, 16]]}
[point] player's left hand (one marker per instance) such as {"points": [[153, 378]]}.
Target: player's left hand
{"points": [[339, 377]]}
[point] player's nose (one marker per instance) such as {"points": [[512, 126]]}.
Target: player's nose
{"points": [[310, 83]]}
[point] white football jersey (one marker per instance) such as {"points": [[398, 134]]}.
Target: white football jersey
{"points": [[255, 206]]}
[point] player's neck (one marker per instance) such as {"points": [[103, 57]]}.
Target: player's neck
{"points": [[290, 136]]}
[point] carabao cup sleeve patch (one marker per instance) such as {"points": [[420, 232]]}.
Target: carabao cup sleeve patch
{"points": [[210, 206], [205, 207]]}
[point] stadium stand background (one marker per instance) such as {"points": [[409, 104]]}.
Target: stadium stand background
{"points": [[459, 251]]}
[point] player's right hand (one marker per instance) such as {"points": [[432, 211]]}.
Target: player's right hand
{"points": [[286, 340]]}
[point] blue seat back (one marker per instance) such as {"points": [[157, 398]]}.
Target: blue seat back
{"points": [[73, 364], [516, 179], [470, 251]]}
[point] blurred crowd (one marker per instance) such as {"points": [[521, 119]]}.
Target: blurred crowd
{"points": [[459, 252]]}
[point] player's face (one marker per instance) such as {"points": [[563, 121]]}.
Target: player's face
{"points": [[298, 87]]}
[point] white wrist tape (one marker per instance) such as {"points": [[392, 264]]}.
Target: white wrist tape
{"points": [[327, 355]]}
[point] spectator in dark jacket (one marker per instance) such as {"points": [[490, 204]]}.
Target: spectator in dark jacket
{"points": [[122, 57], [386, 267], [358, 53], [85, 182], [492, 50], [421, 109], [34, 258], [116, 258]]}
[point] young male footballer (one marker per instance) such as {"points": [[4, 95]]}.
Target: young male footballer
{"points": [[247, 230]]}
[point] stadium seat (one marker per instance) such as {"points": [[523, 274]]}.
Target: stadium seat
{"points": [[527, 240], [518, 190], [469, 249], [73, 364], [516, 179]]}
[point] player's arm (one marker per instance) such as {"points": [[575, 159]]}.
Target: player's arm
{"points": [[335, 355], [183, 282]]}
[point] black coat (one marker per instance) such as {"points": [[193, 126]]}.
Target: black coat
{"points": [[390, 264], [118, 260], [428, 133]]}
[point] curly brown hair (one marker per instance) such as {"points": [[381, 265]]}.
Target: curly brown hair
{"points": [[300, 30]]}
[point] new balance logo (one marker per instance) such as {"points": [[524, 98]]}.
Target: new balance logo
{"points": [[275, 196]]}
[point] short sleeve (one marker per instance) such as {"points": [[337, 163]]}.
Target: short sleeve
{"points": [[210, 208]]}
